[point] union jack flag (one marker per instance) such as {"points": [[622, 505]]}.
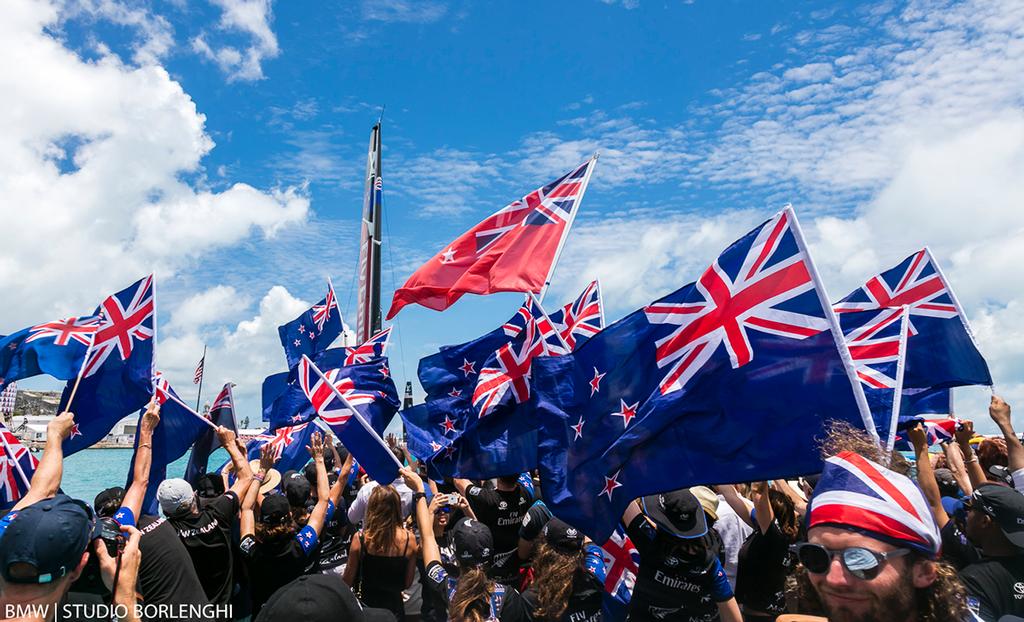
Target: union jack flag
{"points": [[621, 564], [875, 347], [857, 492], [937, 430], [17, 465], [550, 204], [323, 398], [373, 348], [80, 329], [322, 311], [748, 298], [582, 318], [280, 438], [223, 399], [121, 325], [509, 370], [162, 388]]}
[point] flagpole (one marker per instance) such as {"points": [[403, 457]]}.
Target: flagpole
{"points": [[17, 464], [552, 324], [568, 226], [355, 413], [81, 371], [178, 401], [901, 366], [837, 332], [600, 301], [231, 396], [199, 395]]}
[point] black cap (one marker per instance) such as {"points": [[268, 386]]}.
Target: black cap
{"points": [[677, 512], [562, 537], [1001, 474], [108, 501], [318, 598], [1005, 506], [49, 535], [473, 542], [274, 509], [296, 489], [947, 483], [310, 472]]}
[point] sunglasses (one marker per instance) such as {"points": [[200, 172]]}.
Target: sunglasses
{"points": [[860, 562]]}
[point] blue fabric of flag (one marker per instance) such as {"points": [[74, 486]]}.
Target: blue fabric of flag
{"points": [[312, 332], [53, 348], [751, 369], [221, 414], [926, 402], [292, 442]]}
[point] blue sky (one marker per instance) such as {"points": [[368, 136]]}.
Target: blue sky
{"points": [[222, 143]]}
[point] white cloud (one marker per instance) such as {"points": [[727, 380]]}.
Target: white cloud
{"points": [[155, 36], [94, 181], [418, 11], [812, 72], [626, 4], [250, 18]]}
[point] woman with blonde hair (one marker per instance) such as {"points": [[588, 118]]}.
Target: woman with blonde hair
{"points": [[382, 557]]}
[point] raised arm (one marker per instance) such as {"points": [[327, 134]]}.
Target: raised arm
{"points": [[1000, 413], [799, 504], [424, 519], [323, 493], [46, 480], [739, 504], [963, 439], [925, 475], [461, 485], [136, 493], [243, 474], [955, 460], [765, 513], [247, 520]]}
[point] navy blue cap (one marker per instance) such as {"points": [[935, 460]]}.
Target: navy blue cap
{"points": [[50, 537]]}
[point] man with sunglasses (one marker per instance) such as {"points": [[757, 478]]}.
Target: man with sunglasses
{"points": [[995, 523], [872, 548]]}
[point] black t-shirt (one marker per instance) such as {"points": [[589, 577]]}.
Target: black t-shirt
{"points": [[335, 539], [207, 537], [956, 548], [669, 588], [995, 587], [166, 573], [272, 565], [502, 512], [764, 563], [512, 608], [584, 600]]}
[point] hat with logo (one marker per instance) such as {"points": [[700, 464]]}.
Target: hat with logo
{"points": [[1005, 506], [318, 598], [274, 509], [297, 489], [45, 541], [678, 513], [473, 542], [108, 501], [175, 496], [562, 536]]}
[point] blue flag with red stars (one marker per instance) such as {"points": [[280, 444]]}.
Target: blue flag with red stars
{"points": [[312, 332], [56, 348]]}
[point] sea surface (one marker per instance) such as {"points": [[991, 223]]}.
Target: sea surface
{"points": [[92, 470]]}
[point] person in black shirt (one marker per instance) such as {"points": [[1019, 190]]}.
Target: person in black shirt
{"points": [[502, 510], [568, 581], [680, 577], [995, 521], [435, 608], [472, 596], [207, 533], [275, 549], [765, 560]]}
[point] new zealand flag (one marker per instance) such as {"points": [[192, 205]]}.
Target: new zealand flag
{"points": [[222, 412], [314, 331], [728, 379], [56, 348]]}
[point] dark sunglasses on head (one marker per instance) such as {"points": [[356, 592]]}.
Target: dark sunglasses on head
{"points": [[860, 562]]}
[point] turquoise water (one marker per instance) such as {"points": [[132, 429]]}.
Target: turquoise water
{"points": [[92, 470]]}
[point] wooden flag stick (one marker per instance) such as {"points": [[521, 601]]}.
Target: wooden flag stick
{"points": [[81, 371]]}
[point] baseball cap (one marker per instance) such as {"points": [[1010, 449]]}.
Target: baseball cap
{"points": [[562, 537], [50, 536], [1001, 474], [175, 496], [677, 512], [108, 501], [297, 489], [274, 509], [1005, 506], [947, 483], [473, 542], [707, 499], [318, 598]]}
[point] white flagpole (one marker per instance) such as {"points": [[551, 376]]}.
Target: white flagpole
{"points": [[81, 370], [17, 465], [837, 333], [897, 398], [171, 396], [600, 301], [568, 226], [355, 413]]}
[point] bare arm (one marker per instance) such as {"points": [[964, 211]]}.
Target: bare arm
{"points": [[424, 519], [926, 475], [955, 460], [739, 504], [729, 611], [410, 568], [136, 493], [243, 474], [355, 552], [800, 505], [461, 485], [46, 480], [1000, 413], [963, 439], [319, 513], [765, 513], [247, 521]]}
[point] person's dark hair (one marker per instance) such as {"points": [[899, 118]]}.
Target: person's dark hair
{"points": [[472, 599], [785, 513], [509, 480], [992, 452], [554, 572], [840, 436], [945, 600]]}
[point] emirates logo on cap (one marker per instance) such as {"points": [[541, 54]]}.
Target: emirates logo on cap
{"points": [[570, 532]]}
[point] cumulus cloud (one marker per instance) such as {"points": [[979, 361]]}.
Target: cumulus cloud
{"points": [[94, 182], [250, 19]]}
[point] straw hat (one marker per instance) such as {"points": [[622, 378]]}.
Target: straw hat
{"points": [[272, 479]]}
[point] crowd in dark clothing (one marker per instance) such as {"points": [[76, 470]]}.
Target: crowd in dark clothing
{"points": [[865, 542]]}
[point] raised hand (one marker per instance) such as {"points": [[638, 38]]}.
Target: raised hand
{"points": [[268, 456], [60, 426], [151, 418], [965, 433], [917, 436], [999, 411]]}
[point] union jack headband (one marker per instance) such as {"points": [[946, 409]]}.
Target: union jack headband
{"points": [[857, 494]]}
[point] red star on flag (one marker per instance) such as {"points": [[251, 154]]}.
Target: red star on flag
{"points": [[467, 367], [578, 428], [455, 393], [448, 425], [75, 431], [595, 383], [627, 412], [610, 484], [385, 371]]}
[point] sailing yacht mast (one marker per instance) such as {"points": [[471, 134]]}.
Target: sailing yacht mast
{"points": [[368, 317]]}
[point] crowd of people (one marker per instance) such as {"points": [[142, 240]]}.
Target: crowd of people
{"points": [[872, 538]]}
